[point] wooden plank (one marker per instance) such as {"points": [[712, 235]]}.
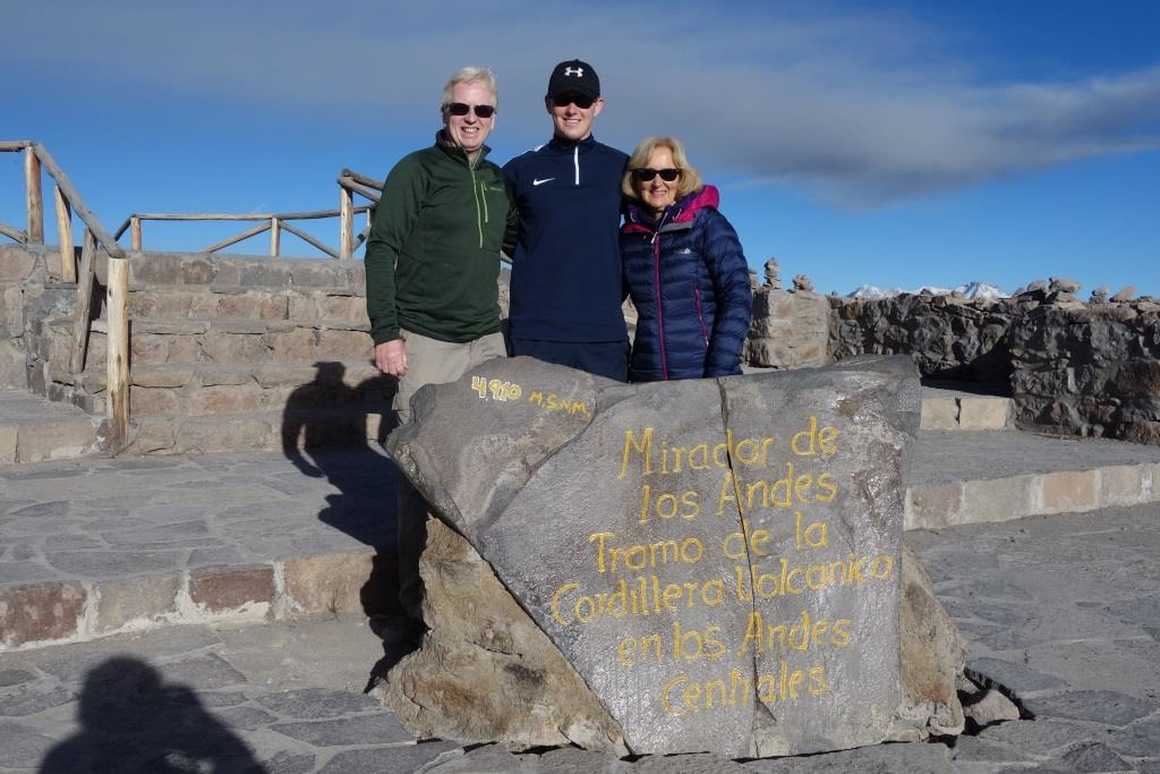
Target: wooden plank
{"points": [[34, 197], [13, 233], [78, 204], [258, 229], [84, 303], [373, 194], [275, 237], [345, 224], [309, 240], [124, 227], [202, 216], [135, 233], [229, 216], [64, 236], [11, 146], [362, 179], [117, 348]]}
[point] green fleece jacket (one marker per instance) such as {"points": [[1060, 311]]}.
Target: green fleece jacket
{"points": [[432, 256]]}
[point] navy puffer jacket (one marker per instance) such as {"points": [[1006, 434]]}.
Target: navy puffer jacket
{"points": [[690, 283]]}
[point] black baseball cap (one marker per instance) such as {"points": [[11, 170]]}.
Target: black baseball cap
{"points": [[574, 77]]}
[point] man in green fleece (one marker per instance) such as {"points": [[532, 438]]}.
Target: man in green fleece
{"points": [[432, 263]]}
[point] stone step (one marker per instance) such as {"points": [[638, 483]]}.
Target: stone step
{"points": [[36, 430], [969, 478], [953, 409], [234, 272], [207, 303], [94, 547], [222, 341], [309, 428], [205, 389], [114, 545]]}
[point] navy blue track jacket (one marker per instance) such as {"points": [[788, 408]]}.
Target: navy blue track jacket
{"points": [[566, 271], [689, 281]]}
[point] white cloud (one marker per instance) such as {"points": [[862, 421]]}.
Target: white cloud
{"points": [[862, 108]]}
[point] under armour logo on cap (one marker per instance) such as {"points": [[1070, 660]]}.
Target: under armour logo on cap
{"points": [[574, 77]]}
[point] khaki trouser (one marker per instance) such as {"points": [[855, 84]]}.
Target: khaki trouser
{"points": [[429, 361]]}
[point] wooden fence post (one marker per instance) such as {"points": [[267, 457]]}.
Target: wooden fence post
{"points": [[35, 197], [135, 232], [345, 223], [117, 347], [84, 303], [275, 237], [64, 235]]}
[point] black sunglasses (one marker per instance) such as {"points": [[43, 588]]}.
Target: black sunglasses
{"points": [[644, 174], [564, 100], [462, 109]]}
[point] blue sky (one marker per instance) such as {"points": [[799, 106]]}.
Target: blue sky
{"points": [[893, 143]]}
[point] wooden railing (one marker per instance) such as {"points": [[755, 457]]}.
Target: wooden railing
{"points": [[274, 222], [67, 203]]}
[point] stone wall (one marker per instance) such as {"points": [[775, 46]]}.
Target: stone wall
{"points": [[1089, 369], [951, 338], [28, 296], [1074, 368], [15, 265]]}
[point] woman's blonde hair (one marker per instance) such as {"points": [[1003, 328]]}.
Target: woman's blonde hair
{"points": [[690, 179]]}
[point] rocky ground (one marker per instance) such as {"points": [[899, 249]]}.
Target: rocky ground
{"points": [[1062, 613]]}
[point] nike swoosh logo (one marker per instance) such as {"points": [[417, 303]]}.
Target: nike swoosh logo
{"points": [[538, 181]]}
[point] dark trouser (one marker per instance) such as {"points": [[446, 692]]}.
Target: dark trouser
{"points": [[602, 358]]}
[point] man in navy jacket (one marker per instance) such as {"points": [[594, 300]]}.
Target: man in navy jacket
{"points": [[566, 286]]}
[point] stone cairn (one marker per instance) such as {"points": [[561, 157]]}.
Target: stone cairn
{"points": [[772, 274], [789, 329]]}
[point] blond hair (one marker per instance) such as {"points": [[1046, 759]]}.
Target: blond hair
{"points": [[687, 183], [481, 75]]}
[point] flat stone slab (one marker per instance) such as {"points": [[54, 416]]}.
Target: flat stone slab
{"points": [[952, 457], [717, 559], [139, 542]]}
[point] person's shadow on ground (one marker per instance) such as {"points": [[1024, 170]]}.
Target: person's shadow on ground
{"points": [[131, 721], [325, 426]]}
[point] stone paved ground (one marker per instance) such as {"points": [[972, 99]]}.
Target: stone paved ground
{"points": [[1063, 612], [93, 519]]}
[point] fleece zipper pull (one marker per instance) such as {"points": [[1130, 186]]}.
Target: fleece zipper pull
{"points": [[576, 162]]}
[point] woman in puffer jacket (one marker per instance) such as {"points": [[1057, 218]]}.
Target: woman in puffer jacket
{"points": [[683, 268]]}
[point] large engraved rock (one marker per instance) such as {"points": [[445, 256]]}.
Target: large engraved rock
{"points": [[719, 561]]}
